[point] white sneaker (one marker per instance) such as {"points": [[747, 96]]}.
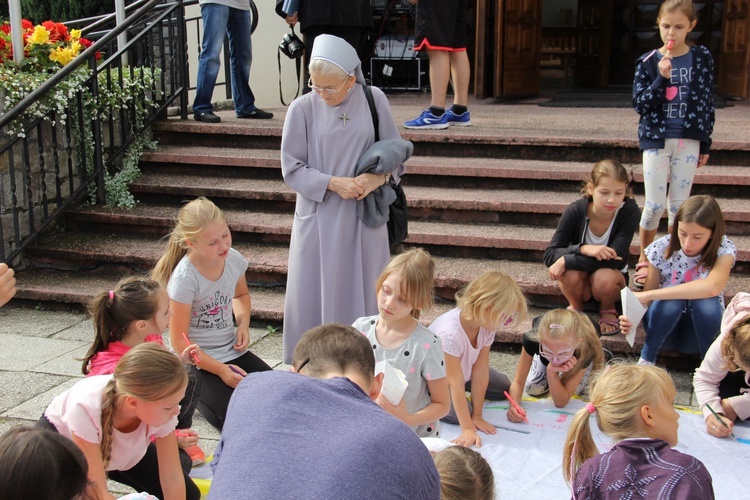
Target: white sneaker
{"points": [[643, 362], [537, 384]]}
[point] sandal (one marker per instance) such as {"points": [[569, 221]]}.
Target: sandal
{"points": [[609, 321], [641, 273]]}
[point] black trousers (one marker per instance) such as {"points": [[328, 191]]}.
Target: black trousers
{"points": [[143, 476], [215, 394]]}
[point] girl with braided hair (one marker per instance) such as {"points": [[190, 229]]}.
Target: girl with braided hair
{"points": [[124, 423]]}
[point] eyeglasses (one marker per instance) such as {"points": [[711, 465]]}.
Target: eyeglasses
{"points": [[327, 90], [556, 358]]}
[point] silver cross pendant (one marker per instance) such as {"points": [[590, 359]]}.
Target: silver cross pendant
{"points": [[344, 118]]}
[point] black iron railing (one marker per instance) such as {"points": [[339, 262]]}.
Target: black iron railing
{"points": [[49, 161]]}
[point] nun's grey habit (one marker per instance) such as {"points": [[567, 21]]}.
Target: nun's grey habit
{"points": [[334, 259]]}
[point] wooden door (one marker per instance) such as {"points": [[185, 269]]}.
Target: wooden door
{"points": [[594, 43], [734, 66], [518, 28], [484, 49]]}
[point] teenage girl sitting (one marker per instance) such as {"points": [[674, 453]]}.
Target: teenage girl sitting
{"points": [[588, 254], [566, 350], [684, 291]]}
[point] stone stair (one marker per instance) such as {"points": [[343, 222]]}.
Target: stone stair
{"points": [[476, 202]]}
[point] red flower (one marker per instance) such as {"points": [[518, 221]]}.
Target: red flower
{"points": [[5, 28], [26, 24], [85, 42], [58, 32]]}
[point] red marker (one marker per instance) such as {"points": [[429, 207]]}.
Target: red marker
{"points": [[515, 405], [670, 44], [196, 356]]}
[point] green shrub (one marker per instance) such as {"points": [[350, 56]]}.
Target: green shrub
{"points": [[39, 11]]}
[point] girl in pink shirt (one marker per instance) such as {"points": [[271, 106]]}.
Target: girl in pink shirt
{"points": [[490, 302], [125, 423], [137, 311]]}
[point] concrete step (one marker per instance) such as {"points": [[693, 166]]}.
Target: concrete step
{"points": [[82, 251], [460, 204], [448, 166], [159, 219], [558, 141], [75, 288]]}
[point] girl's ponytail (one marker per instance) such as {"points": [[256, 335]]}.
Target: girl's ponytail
{"points": [[191, 221], [112, 312], [175, 251], [579, 443]]}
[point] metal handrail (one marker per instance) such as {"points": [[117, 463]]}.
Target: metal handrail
{"points": [[48, 166]]}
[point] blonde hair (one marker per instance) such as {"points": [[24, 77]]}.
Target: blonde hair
{"points": [[490, 297], [617, 395], [735, 346], [464, 474], [417, 271], [607, 168], [191, 221], [574, 328], [148, 372]]}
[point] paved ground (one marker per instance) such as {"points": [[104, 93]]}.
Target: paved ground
{"points": [[39, 351]]}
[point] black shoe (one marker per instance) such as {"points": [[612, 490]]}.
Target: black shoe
{"points": [[207, 117], [257, 114]]}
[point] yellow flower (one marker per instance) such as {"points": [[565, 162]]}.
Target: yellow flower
{"points": [[76, 47], [75, 34], [39, 36], [62, 56]]}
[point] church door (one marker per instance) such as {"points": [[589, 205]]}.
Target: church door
{"points": [[735, 50], [594, 43]]}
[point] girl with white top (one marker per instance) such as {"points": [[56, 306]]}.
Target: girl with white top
{"points": [[125, 423]]}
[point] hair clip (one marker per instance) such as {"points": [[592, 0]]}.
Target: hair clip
{"points": [[111, 295], [555, 326]]}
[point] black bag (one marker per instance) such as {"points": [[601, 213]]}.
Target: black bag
{"points": [[398, 225]]}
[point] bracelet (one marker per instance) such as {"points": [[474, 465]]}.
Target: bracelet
{"points": [[387, 178]]}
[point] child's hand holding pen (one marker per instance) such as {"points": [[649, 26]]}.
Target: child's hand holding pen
{"points": [[515, 412], [232, 375], [191, 350]]}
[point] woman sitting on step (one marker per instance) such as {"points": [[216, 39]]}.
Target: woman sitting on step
{"points": [[588, 254], [684, 291]]}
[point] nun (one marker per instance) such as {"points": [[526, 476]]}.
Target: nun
{"points": [[334, 258]]}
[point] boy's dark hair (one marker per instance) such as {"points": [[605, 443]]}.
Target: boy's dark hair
{"points": [[39, 463], [334, 348]]}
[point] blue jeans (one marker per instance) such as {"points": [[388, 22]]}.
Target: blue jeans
{"points": [[685, 321], [217, 20]]}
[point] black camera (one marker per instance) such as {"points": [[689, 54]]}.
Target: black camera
{"points": [[292, 46]]}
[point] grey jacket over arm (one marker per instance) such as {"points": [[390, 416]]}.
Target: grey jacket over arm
{"points": [[382, 158]]}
